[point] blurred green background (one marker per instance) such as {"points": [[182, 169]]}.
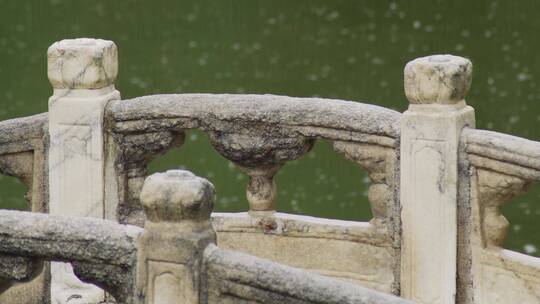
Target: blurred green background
{"points": [[353, 50]]}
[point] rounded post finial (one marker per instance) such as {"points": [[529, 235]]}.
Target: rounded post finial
{"points": [[82, 63], [437, 79], [177, 195]]}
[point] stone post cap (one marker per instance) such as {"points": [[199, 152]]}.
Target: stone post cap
{"points": [[177, 195], [437, 79], [82, 63]]}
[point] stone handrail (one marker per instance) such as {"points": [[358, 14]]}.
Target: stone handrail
{"points": [[260, 133], [98, 247], [21, 134], [501, 167], [257, 132], [234, 277], [56, 237], [503, 153], [311, 117]]}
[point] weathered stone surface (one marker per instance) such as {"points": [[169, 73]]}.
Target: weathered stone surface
{"points": [[356, 252], [239, 278], [503, 153], [263, 137], [16, 268], [82, 63], [504, 166], [204, 110], [430, 134], [22, 134], [494, 190], [258, 133], [64, 238], [178, 206], [82, 73], [103, 252], [177, 195], [438, 79], [164, 262], [23, 143], [382, 165], [498, 275], [126, 170], [259, 151], [22, 155]]}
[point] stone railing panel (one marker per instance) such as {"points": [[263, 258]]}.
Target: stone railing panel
{"points": [[260, 133], [503, 167], [356, 252], [235, 277], [173, 259]]}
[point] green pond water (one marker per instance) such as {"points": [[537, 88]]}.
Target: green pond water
{"points": [[353, 50]]}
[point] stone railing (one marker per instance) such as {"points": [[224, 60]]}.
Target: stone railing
{"points": [[172, 260], [436, 183], [500, 167], [259, 134]]}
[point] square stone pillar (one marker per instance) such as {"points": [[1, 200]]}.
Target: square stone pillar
{"points": [[178, 205], [82, 73], [430, 130]]}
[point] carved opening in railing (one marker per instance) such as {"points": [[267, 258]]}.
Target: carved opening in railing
{"points": [[198, 156], [131, 153], [324, 184], [259, 134], [522, 213], [356, 194]]}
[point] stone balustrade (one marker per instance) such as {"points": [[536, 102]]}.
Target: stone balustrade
{"points": [[172, 260], [437, 185]]}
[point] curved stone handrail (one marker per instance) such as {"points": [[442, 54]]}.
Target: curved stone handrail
{"points": [[259, 133], [235, 276], [349, 117], [94, 246], [17, 135], [503, 153], [501, 167], [38, 235]]}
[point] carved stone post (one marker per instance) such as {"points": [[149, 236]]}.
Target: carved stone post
{"points": [[82, 73], [177, 230], [430, 130]]}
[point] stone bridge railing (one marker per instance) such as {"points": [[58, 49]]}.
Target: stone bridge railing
{"points": [[436, 182], [172, 260]]}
